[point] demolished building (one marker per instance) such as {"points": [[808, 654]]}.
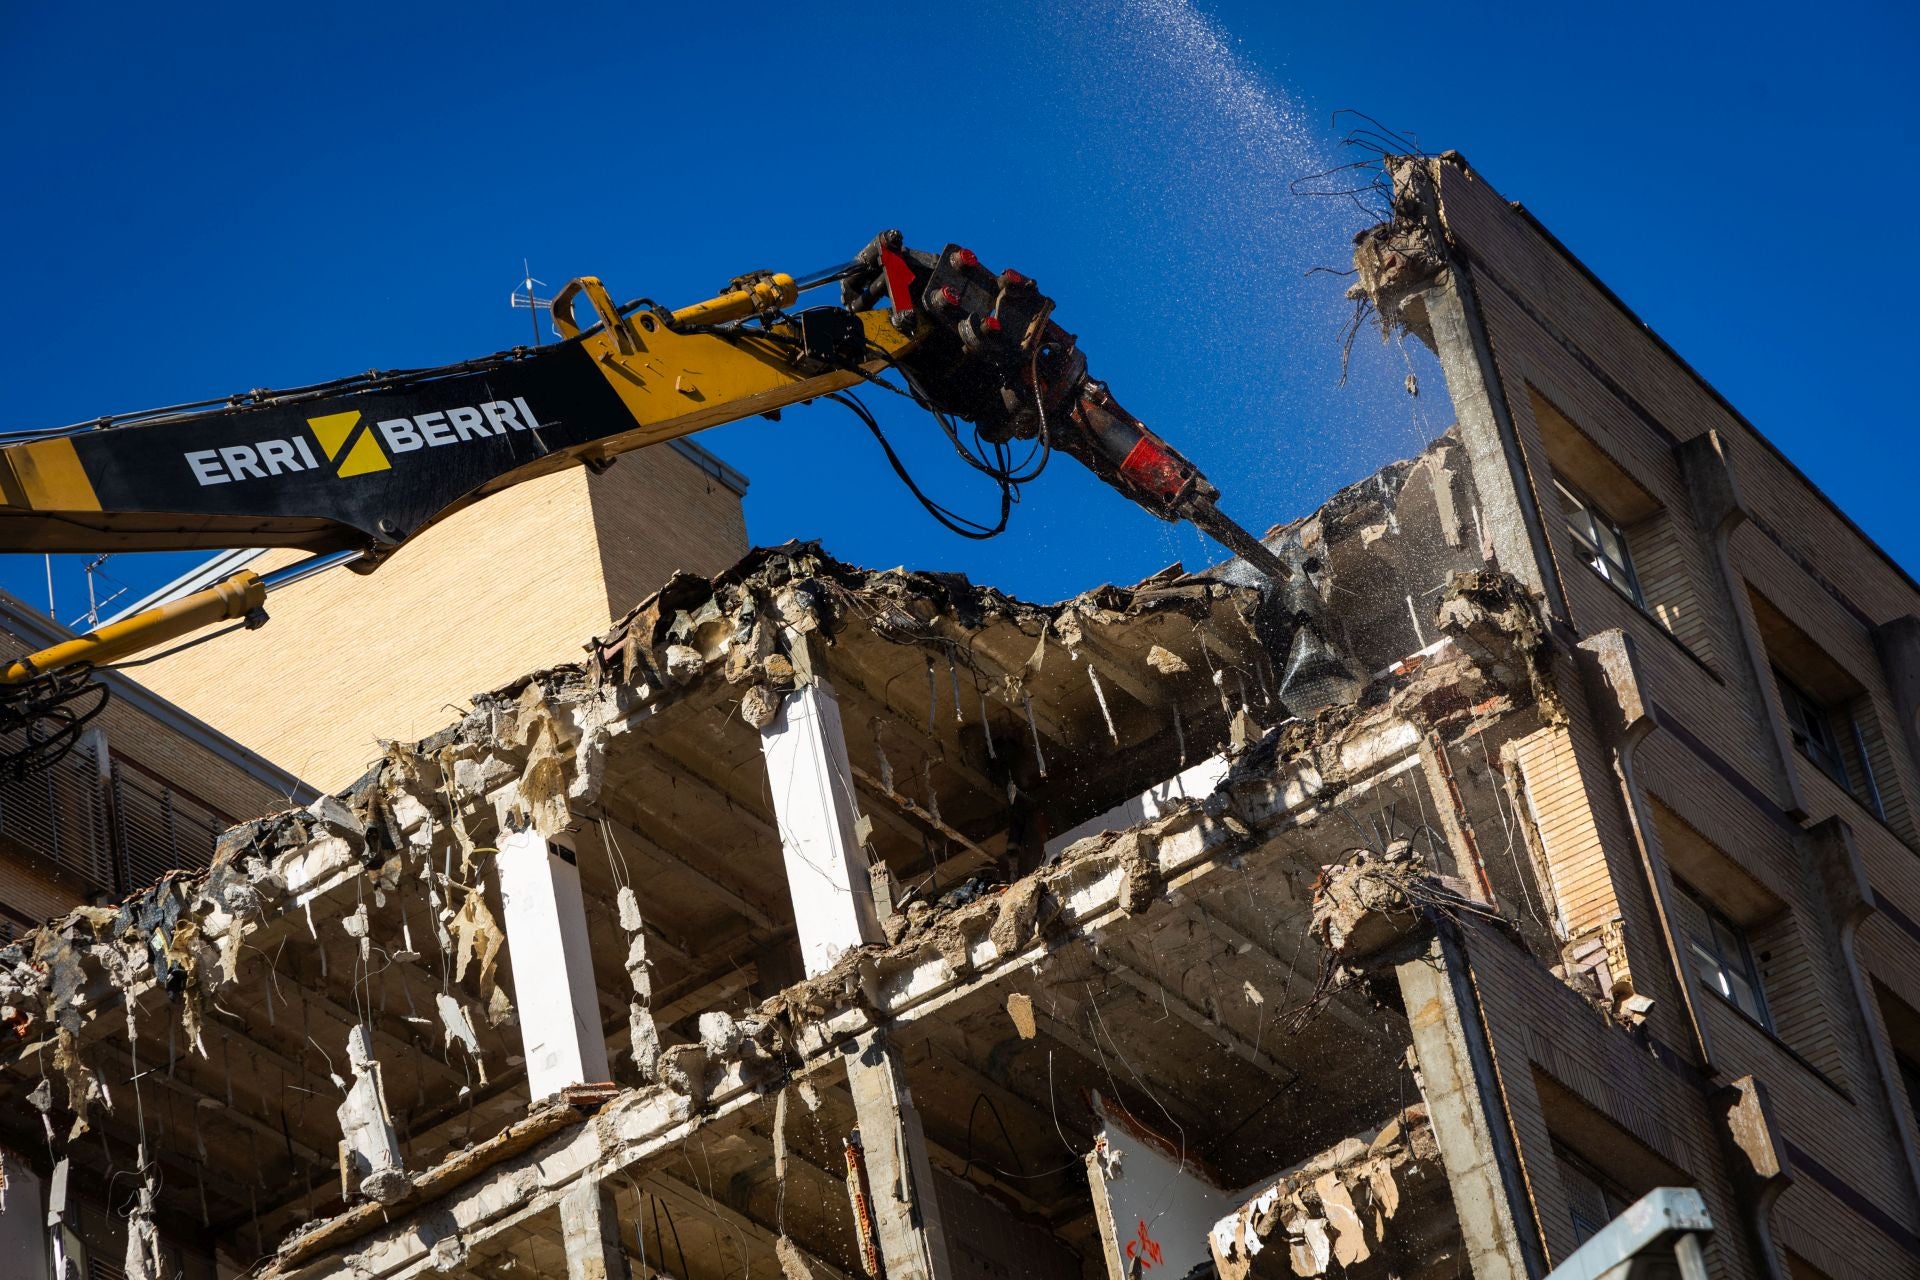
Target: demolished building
{"points": [[835, 923]]}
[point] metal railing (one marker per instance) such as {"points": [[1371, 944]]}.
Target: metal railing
{"points": [[60, 814], [159, 828], [115, 833]]}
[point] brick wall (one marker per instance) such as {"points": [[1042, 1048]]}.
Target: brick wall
{"points": [[1569, 358]]}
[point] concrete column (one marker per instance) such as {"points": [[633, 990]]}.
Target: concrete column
{"points": [[1509, 507], [1464, 1101], [590, 1230], [554, 995], [813, 801], [906, 1206]]}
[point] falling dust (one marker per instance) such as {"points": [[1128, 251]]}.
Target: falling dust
{"points": [[1227, 163]]}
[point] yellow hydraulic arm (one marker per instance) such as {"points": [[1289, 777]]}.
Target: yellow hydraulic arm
{"points": [[640, 376], [351, 470]]}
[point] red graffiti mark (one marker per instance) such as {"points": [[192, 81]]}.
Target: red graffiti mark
{"points": [[1145, 1250]]}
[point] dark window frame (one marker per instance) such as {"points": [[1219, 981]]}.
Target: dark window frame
{"points": [[1815, 730], [1614, 1198], [1603, 540], [1723, 961]]}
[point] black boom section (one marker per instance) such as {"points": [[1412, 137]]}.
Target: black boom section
{"points": [[382, 461]]}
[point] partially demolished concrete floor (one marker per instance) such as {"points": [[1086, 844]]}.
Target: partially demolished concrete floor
{"points": [[1134, 916]]}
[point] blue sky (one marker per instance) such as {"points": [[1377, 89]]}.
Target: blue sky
{"points": [[207, 198]]}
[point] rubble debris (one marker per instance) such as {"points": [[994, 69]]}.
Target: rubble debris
{"points": [[1166, 662], [1398, 260], [1366, 909], [1020, 1010], [143, 1260], [1331, 1207], [1494, 619], [793, 1263], [476, 934]]}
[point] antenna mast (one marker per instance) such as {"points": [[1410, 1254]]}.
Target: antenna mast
{"points": [[524, 298]]}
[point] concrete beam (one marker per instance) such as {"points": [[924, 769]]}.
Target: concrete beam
{"points": [[812, 784], [906, 1208], [554, 993]]}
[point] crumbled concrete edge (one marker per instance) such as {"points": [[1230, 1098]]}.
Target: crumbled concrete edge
{"points": [[1397, 261], [530, 752], [1299, 763]]}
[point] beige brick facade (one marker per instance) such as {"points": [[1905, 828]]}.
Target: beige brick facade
{"points": [[504, 587]]}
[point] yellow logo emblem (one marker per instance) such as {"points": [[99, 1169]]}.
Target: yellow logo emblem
{"points": [[334, 430]]}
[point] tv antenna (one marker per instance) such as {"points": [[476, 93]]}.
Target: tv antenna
{"points": [[525, 299], [96, 568]]}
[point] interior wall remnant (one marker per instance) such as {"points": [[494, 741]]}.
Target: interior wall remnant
{"points": [[546, 925], [23, 1220], [1154, 1205]]}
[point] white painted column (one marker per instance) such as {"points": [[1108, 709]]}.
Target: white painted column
{"points": [[813, 801], [554, 996]]}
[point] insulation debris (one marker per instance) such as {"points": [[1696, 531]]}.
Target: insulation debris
{"points": [[370, 1160]]}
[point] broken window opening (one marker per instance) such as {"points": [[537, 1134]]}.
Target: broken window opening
{"points": [[1602, 541], [1722, 958]]}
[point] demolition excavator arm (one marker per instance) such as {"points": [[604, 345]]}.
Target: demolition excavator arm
{"points": [[350, 470]]}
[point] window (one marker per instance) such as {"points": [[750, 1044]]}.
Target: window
{"points": [[1593, 1199], [1722, 959], [1812, 730], [1817, 733], [1602, 542]]}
